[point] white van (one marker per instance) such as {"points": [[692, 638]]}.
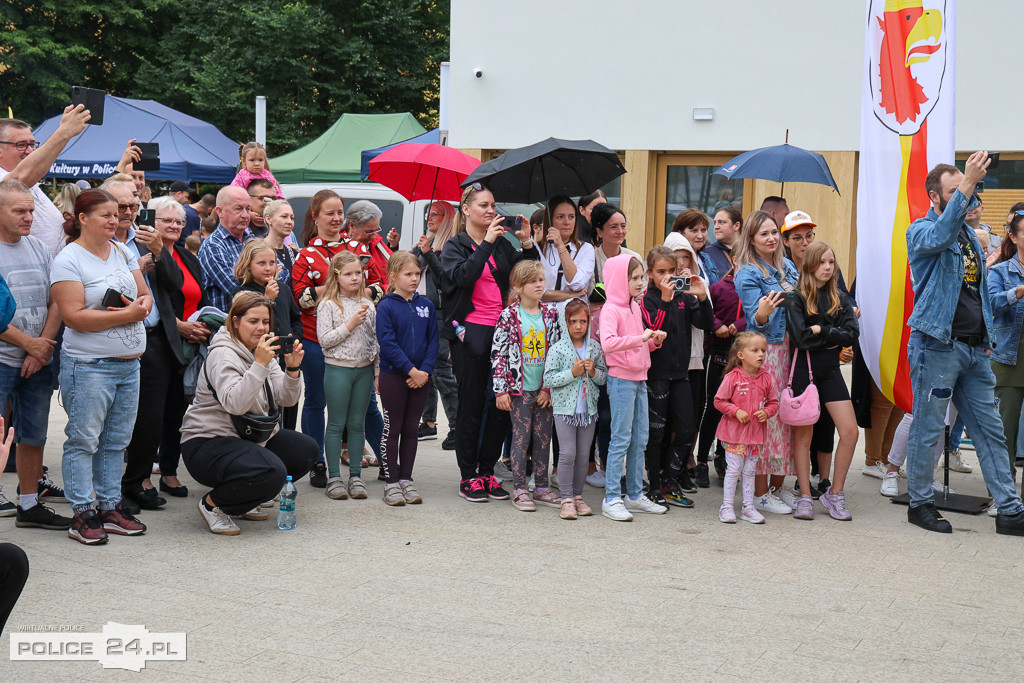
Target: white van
{"points": [[399, 213]]}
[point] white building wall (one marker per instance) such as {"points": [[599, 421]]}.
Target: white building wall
{"points": [[629, 73]]}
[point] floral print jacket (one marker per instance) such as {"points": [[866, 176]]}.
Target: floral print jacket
{"points": [[507, 347]]}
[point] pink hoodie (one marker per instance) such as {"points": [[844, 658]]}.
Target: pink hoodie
{"points": [[622, 325]]}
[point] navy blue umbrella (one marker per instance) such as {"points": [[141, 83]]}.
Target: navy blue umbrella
{"points": [[782, 163]]}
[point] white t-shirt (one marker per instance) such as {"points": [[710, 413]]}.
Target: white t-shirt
{"points": [[582, 257], [77, 264], [47, 221]]}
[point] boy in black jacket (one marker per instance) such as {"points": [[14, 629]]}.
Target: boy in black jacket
{"points": [[670, 400]]}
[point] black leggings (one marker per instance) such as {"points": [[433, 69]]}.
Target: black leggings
{"points": [[472, 361], [698, 392], [244, 474], [13, 575], [669, 402], [709, 423], [402, 410]]}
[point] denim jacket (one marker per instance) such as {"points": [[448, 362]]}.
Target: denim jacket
{"points": [[937, 271], [1007, 309], [752, 284]]}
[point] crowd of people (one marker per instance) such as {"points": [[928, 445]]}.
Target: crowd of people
{"points": [[561, 357]]}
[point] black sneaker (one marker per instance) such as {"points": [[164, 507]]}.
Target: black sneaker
{"points": [[927, 517], [318, 476], [685, 481], [87, 528], [1012, 525], [822, 488], [41, 517], [381, 476], [473, 490], [130, 506], [48, 491], [449, 442], [674, 496], [701, 477], [426, 432], [494, 490], [656, 496]]}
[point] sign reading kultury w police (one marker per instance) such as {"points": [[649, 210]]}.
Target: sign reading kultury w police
{"points": [[63, 169], [907, 126]]}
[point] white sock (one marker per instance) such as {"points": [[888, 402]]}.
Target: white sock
{"points": [[28, 501]]}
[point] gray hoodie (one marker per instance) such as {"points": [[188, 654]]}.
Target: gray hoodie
{"points": [[238, 381]]}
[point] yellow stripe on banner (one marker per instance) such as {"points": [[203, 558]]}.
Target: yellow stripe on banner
{"points": [[894, 319]]}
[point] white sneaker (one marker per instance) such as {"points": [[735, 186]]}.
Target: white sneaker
{"points": [[992, 509], [769, 503], [553, 479], [644, 504], [596, 479], [956, 463], [219, 522], [787, 497], [878, 470], [501, 471], [937, 487], [815, 480], [890, 485], [615, 510], [7, 508]]}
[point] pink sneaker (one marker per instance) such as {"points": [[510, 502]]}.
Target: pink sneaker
{"points": [[804, 508], [750, 514], [835, 503], [727, 515]]}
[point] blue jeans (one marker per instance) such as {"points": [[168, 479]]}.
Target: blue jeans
{"points": [[630, 424], [940, 372], [101, 398], [314, 423], [30, 402]]}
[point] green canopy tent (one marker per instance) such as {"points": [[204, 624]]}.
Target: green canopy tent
{"points": [[335, 155]]}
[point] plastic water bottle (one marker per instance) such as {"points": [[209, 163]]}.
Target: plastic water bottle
{"points": [[460, 330], [286, 519]]}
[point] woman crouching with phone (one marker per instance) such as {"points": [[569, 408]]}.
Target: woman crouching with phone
{"points": [[240, 383]]}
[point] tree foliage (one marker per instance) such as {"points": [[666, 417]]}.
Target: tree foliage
{"points": [[210, 58]]}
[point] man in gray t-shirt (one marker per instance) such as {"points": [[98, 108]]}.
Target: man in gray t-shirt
{"points": [[26, 351]]}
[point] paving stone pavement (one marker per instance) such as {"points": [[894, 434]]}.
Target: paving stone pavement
{"points": [[458, 591]]}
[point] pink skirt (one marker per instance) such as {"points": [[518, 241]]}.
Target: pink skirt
{"points": [[777, 454]]}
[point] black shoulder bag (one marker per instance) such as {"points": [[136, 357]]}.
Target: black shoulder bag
{"points": [[251, 426]]}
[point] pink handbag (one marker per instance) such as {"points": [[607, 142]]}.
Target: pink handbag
{"points": [[802, 410]]}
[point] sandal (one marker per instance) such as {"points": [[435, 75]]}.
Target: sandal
{"points": [[369, 459], [336, 488]]}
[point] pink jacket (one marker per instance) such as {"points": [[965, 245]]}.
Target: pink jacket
{"points": [[243, 178], [740, 391], [622, 326]]}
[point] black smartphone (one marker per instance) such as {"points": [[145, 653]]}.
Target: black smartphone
{"points": [[514, 223], [287, 345], [150, 160], [680, 283], [92, 99], [112, 299], [146, 217], [994, 158]]}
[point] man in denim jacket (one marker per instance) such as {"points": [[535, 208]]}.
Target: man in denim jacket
{"points": [[949, 346]]}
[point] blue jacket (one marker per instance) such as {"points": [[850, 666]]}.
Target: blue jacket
{"points": [[752, 284], [407, 333], [709, 268], [1007, 309], [937, 271]]}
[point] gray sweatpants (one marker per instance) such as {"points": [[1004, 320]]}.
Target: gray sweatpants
{"points": [[573, 455]]}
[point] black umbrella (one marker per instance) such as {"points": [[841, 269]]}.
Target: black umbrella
{"points": [[537, 172]]}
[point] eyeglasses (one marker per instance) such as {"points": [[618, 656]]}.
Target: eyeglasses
{"points": [[799, 239], [171, 221], [266, 199], [121, 208], [434, 214], [478, 187], [23, 145]]}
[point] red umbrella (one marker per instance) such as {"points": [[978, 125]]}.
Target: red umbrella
{"points": [[418, 170]]}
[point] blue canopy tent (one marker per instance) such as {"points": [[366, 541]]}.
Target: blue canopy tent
{"points": [[433, 136], [190, 149]]}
